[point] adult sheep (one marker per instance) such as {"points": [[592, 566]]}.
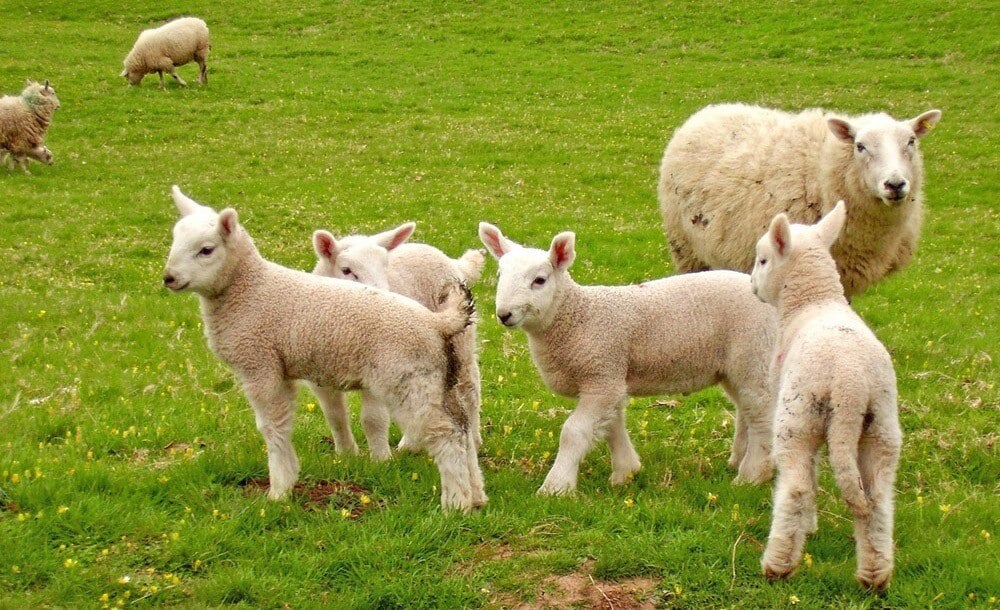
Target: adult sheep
{"points": [[731, 167], [164, 48], [24, 119]]}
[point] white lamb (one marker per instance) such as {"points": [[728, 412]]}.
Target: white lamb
{"points": [[730, 168], [606, 343], [24, 119], [164, 48], [835, 383], [274, 326], [422, 273]]}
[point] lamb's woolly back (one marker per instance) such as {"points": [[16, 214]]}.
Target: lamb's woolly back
{"points": [[604, 343], [173, 44], [731, 167]]}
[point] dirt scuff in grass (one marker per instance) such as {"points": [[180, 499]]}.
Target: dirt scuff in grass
{"points": [[322, 494]]}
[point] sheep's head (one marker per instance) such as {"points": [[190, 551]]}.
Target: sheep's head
{"points": [[40, 94], [202, 241], [359, 258], [42, 154], [784, 242], [529, 278], [886, 152]]}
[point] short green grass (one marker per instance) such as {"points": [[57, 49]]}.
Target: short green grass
{"points": [[126, 448]]}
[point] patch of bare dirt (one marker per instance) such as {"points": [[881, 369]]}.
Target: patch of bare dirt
{"points": [[323, 494]]}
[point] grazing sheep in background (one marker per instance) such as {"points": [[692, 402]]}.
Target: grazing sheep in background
{"points": [[40, 153], [273, 326], [730, 168], [835, 383], [164, 48], [603, 344], [24, 119], [422, 273]]}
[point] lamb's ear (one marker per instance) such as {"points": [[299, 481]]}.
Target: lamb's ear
{"points": [[124, 73], [325, 244], [46, 87], [923, 124], [395, 237], [229, 221], [562, 251], [780, 234], [829, 226], [494, 240], [842, 129], [185, 205]]}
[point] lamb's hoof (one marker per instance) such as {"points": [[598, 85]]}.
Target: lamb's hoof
{"points": [[753, 474], [774, 571], [875, 580], [623, 478], [555, 489], [381, 455], [406, 446]]}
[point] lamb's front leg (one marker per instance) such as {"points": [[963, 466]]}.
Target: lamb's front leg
{"points": [[589, 422], [273, 404], [337, 418], [624, 459], [375, 421]]}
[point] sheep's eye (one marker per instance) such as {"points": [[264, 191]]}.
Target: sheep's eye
{"points": [[913, 140], [762, 262], [539, 281], [346, 270], [206, 251], [861, 147]]}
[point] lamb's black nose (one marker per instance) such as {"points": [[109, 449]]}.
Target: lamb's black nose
{"points": [[168, 280], [504, 316]]}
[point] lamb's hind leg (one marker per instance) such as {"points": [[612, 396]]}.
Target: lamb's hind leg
{"points": [[589, 422], [878, 458], [794, 500], [273, 402], [751, 452], [375, 421]]}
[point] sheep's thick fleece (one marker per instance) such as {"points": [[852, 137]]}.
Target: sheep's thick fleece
{"points": [[24, 119], [274, 325], [731, 167], [164, 48], [835, 384], [605, 343]]}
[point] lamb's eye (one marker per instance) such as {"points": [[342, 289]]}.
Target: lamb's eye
{"points": [[206, 251], [346, 270], [913, 141], [861, 147], [762, 262], [539, 281]]}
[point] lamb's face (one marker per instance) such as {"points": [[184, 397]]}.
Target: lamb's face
{"points": [[761, 277], [357, 260], [526, 286], [886, 152], [197, 255]]}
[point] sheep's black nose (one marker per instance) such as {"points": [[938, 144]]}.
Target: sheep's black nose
{"points": [[895, 186], [504, 316], [168, 279]]}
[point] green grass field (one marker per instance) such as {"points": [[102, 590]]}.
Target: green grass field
{"points": [[129, 457]]}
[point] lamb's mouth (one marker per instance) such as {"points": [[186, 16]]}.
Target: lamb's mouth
{"points": [[179, 288]]}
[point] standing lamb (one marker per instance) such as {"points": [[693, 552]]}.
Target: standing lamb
{"points": [[422, 273], [164, 48], [274, 326], [730, 168], [24, 119], [603, 344], [835, 383]]}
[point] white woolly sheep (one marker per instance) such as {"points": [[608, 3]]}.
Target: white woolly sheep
{"points": [[731, 167], [273, 326], [835, 383], [422, 273], [164, 48], [606, 343], [24, 119]]}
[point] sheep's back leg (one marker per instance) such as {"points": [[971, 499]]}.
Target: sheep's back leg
{"points": [[590, 421], [273, 403]]}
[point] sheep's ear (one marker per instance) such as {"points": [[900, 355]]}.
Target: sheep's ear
{"points": [[228, 222], [923, 124], [395, 237], [494, 240], [842, 129], [325, 244], [185, 205], [780, 234], [46, 84], [562, 251], [124, 73], [829, 226]]}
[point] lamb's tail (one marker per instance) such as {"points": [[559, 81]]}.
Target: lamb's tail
{"points": [[470, 266], [457, 310], [843, 436]]}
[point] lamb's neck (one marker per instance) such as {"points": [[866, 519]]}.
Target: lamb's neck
{"points": [[238, 279], [564, 312], [809, 283]]}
